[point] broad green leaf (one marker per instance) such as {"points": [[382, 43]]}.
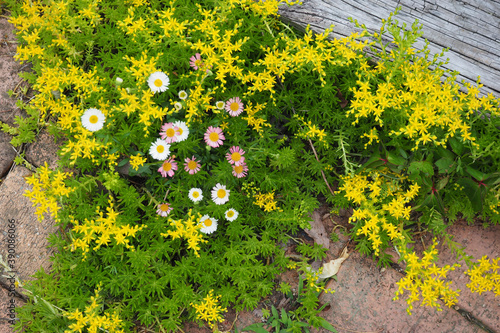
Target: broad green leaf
{"points": [[473, 192], [326, 325], [478, 175], [445, 165], [442, 183], [421, 166], [123, 162], [258, 328], [442, 152], [395, 159], [456, 146], [373, 162]]}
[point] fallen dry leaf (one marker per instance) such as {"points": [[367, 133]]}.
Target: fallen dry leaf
{"points": [[318, 231], [331, 268]]}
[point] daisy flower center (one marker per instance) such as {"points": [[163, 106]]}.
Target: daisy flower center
{"points": [[238, 169], [230, 213], [207, 222], [180, 131], [93, 119], [236, 157], [167, 166], [158, 83], [192, 165], [221, 193], [170, 132], [197, 62], [164, 207], [196, 194], [160, 149], [234, 106], [214, 137]]}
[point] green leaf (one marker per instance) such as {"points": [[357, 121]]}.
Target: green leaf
{"points": [[443, 152], [445, 165], [258, 328], [123, 162], [421, 166], [395, 159], [373, 162], [434, 200], [473, 192], [478, 175], [326, 325], [275, 312], [442, 183], [456, 146]]}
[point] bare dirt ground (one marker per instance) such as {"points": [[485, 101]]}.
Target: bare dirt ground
{"points": [[362, 301]]}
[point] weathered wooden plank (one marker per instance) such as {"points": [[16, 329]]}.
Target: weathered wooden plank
{"points": [[469, 28]]}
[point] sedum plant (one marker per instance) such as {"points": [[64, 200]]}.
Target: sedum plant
{"points": [[201, 135]]}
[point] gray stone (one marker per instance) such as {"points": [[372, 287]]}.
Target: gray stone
{"points": [[7, 154], [30, 245], [44, 149]]}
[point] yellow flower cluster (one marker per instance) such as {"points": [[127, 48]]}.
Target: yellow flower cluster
{"points": [[137, 161], [85, 145], [310, 131], [132, 25], [91, 320], [382, 203], [51, 83], [427, 110], [188, 229], [255, 122], [102, 230], [48, 187], [263, 200], [209, 310], [264, 8], [485, 276], [143, 67], [425, 280], [311, 51]]}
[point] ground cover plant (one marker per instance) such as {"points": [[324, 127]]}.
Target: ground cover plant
{"points": [[199, 136]]}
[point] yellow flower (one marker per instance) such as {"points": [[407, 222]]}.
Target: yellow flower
{"points": [[209, 310], [137, 161]]}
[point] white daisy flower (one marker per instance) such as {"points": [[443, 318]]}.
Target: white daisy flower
{"points": [[231, 214], [220, 195], [158, 82], [93, 119], [209, 224], [183, 94], [159, 149], [195, 194], [220, 105], [183, 130], [178, 106]]}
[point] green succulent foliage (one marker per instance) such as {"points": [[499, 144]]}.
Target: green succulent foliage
{"points": [[306, 143]]}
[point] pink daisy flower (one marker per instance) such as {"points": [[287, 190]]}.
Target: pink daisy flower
{"points": [[214, 137], [169, 132], [164, 209], [234, 106], [192, 166], [168, 167], [195, 61], [235, 155], [240, 171]]}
